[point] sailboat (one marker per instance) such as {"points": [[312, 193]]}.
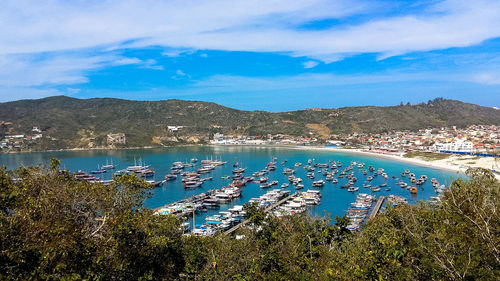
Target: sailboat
{"points": [[108, 166]]}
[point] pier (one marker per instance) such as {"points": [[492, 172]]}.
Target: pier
{"points": [[236, 227], [377, 207], [193, 199]]}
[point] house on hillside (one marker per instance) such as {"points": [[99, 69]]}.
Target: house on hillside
{"points": [[118, 138], [174, 128]]}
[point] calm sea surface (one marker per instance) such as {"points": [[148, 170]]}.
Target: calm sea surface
{"points": [[335, 200]]}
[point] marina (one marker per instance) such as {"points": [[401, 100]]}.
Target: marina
{"points": [[338, 176]]}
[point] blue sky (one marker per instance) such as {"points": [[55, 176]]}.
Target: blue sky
{"points": [[271, 55]]}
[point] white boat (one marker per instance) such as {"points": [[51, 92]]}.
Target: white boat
{"points": [[352, 189], [265, 185], [192, 184], [299, 186], [318, 183]]}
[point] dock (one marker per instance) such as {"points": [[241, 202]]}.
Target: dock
{"points": [[377, 207], [269, 208], [193, 199]]}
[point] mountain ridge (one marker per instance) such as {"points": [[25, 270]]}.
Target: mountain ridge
{"points": [[83, 123]]}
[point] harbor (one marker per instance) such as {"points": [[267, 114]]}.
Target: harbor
{"points": [[293, 170]]}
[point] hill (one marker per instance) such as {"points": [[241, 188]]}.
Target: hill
{"points": [[84, 123]]}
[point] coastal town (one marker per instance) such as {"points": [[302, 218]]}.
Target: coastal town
{"points": [[482, 139], [476, 139]]}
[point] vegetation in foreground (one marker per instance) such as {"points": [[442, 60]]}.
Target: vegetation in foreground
{"points": [[53, 227]]}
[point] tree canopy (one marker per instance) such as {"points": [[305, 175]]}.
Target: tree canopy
{"points": [[53, 227]]}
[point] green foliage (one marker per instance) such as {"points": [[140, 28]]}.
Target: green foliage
{"points": [[54, 227], [457, 240]]}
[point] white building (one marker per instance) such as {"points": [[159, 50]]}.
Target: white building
{"points": [[463, 146], [175, 128]]}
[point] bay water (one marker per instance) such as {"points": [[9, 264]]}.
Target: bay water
{"points": [[335, 200]]}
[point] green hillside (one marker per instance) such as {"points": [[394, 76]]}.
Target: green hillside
{"points": [[86, 122]]}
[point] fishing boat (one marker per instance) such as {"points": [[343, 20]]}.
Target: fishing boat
{"points": [[192, 184], [204, 170], [98, 171], [238, 170], [265, 185], [147, 173], [318, 183], [413, 190], [170, 177], [262, 179], [237, 176], [285, 185], [155, 183], [352, 189]]}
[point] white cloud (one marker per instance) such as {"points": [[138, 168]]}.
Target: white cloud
{"points": [[305, 82], [265, 25], [126, 61], [39, 70], [151, 64], [173, 53], [47, 42], [487, 78], [179, 74], [310, 64]]}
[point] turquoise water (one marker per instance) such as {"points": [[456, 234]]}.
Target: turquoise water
{"points": [[335, 200]]}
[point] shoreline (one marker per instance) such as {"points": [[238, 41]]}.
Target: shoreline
{"points": [[434, 164], [99, 148]]}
